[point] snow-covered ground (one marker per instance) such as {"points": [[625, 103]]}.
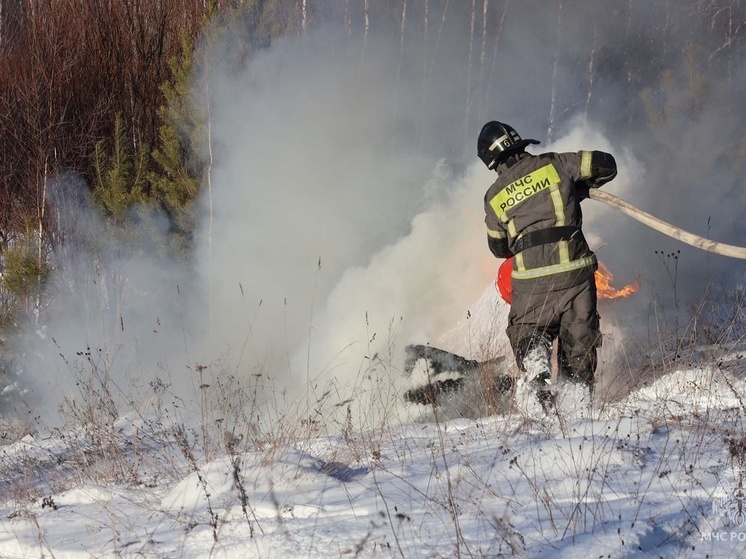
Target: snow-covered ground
{"points": [[658, 473]]}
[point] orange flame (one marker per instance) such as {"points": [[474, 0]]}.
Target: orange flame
{"points": [[604, 288]]}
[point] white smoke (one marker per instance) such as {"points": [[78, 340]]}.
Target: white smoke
{"points": [[336, 239], [335, 231]]}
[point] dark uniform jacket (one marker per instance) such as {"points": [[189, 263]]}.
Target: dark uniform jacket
{"points": [[542, 193]]}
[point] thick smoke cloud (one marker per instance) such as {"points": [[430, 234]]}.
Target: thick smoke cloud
{"points": [[317, 165], [344, 218], [345, 237]]}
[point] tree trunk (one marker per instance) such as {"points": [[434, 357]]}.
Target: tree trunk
{"points": [[208, 175], [402, 30], [483, 59], [469, 64], [429, 66], [366, 27], [425, 38], [627, 57], [494, 56], [348, 19], [555, 69], [591, 66], [41, 261]]}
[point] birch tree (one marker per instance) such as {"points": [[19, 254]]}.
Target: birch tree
{"points": [[555, 74], [469, 69]]}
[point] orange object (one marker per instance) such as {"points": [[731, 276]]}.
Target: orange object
{"points": [[603, 285], [502, 281], [602, 276]]}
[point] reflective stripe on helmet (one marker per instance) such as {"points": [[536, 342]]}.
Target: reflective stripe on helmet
{"points": [[499, 141], [586, 158]]}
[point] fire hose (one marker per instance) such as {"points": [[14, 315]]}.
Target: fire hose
{"points": [[667, 228]]}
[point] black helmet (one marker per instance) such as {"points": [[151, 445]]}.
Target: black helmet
{"points": [[497, 141]]}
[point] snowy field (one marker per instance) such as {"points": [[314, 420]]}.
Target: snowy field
{"points": [[658, 473]]}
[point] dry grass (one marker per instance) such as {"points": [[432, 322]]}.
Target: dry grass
{"points": [[110, 438]]}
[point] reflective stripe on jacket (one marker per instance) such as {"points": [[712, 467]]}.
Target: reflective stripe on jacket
{"points": [[537, 192]]}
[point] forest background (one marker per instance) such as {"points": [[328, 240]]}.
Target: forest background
{"points": [[108, 107]]}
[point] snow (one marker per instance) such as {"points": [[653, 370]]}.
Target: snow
{"points": [[657, 473]]}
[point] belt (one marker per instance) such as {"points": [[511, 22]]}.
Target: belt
{"points": [[549, 235]]}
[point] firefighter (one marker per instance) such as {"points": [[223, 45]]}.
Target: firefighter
{"points": [[532, 213]]}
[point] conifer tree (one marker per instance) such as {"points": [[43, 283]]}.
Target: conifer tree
{"points": [[175, 183], [120, 174], [23, 279], [181, 170]]}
